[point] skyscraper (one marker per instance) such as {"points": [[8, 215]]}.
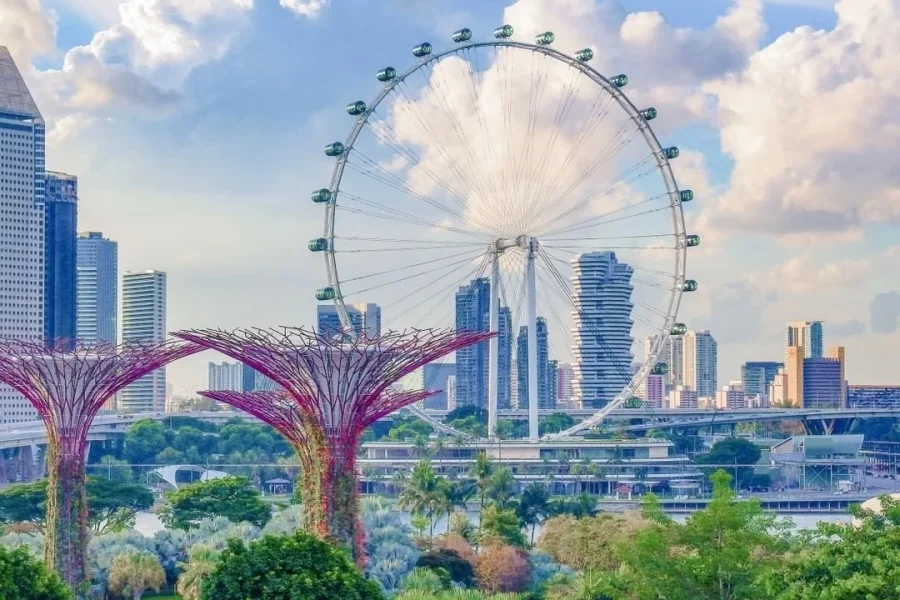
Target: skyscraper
{"points": [[564, 377], [653, 390], [22, 235], [823, 381], [473, 314], [254, 381], [672, 353], [601, 286], [365, 318], [794, 378], [504, 358], [546, 399], [701, 370], [60, 225], [807, 334], [144, 320], [757, 376], [226, 376], [97, 284], [433, 376]]}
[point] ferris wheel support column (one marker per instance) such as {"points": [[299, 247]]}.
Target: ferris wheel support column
{"points": [[493, 345], [531, 317]]}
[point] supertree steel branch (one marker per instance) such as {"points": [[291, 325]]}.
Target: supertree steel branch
{"points": [[68, 384], [342, 385]]}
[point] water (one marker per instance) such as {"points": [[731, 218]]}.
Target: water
{"points": [[147, 523]]}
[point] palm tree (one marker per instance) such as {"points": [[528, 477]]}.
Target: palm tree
{"points": [[202, 562], [501, 488], [481, 472], [437, 448], [534, 506], [456, 495], [419, 447], [422, 494], [135, 573]]}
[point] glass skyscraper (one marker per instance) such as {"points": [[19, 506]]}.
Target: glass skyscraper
{"points": [[758, 376], [473, 303], [22, 138], [365, 318], [701, 363], [60, 226], [144, 320], [504, 358], [601, 288], [546, 397], [97, 279], [808, 334]]}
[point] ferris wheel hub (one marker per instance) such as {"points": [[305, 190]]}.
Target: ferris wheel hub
{"points": [[525, 242]]}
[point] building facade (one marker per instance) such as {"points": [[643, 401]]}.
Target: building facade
{"points": [[364, 317], [701, 366], [683, 397], [823, 383], [22, 191], [504, 358], [873, 396], [601, 288], [97, 296], [473, 303], [254, 381], [226, 376], [653, 390], [807, 334], [433, 376], [731, 396], [60, 227], [545, 398], [144, 320], [757, 376], [564, 377]]}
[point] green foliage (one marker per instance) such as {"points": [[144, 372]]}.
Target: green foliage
{"points": [[134, 573], [297, 567], [481, 471], [534, 506], [24, 503], [144, 440], [591, 544], [501, 487], [423, 580], [555, 423], [733, 451], [502, 525], [230, 497], [466, 411], [459, 569], [839, 562], [423, 494], [201, 564], [23, 577], [408, 428]]}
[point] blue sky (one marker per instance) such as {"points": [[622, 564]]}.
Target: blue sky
{"points": [[196, 128]]}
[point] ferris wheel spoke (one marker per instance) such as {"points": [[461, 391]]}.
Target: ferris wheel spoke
{"points": [[411, 265], [407, 277], [391, 214], [619, 219]]}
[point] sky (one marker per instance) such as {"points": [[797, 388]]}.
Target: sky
{"points": [[196, 129]]}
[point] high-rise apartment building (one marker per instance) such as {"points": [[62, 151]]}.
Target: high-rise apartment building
{"points": [[473, 303], [97, 282], [60, 227], [653, 390], [807, 334], [433, 376], [601, 288], [504, 358], [226, 376], [254, 381], [683, 397], [546, 399], [364, 317], [671, 353], [564, 377], [757, 376], [731, 396], [22, 138], [794, 377], [144, 320], [701, 367]]}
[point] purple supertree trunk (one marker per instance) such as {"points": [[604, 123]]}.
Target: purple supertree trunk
{"points": [[340, 387], [68, 384]]}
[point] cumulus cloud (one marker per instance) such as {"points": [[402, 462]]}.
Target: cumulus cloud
{"points": [[305, 8], [884, 312], [27, 29], [802, 274], [812, 125]]}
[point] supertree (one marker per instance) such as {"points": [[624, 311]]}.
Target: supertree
{"points": [[68, 383], [340, 386]]}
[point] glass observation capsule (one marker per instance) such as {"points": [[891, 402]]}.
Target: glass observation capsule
{"points": [[386, 74], [678, 329], [463, 35], [318, 245], [423, 49], [692, 240], [584, 55], [671, 152], [503, 32], [686, 195], [660, 369], [335, 149], [356, 108], [544, 39], [325, 294], [633, 402], [620, 80], [323, 195], [690, 285], [649, 113]]}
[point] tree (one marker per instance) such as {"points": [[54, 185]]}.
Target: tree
{"points": [[719, 552], [838, 562], [448, 560], [143, 441], [503, 525], [22, 577], [297, 567], [24, 503], [110, 467], [481, 471], [423, 494], [501, 487], [502, 568], [113, 505], [733, 451], [534, 506], [555, 423], [202, 561], [230, 497], [590, 544], [456, 495], [134, 573]]}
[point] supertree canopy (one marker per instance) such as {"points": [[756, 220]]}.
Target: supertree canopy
{"points": [[340, 386], [68, 384]]}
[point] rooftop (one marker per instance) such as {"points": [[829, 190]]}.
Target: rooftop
{"points": [[15, 99]]}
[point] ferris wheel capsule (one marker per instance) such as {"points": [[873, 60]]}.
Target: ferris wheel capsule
{"points": [[318, 245], [334, 149], [692, 240], [660, 369], [620, 80], [356, 108], [671, 152], [678, 329], [463, 35], [686, 195], [323, 195], [326, 293], [649, 113], [584, 55], [544, 39], [422, 50], [690, 285], [503, 32], [386, 74]]}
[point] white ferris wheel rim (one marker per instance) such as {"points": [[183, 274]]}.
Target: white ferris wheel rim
{"points": [[663, 167]]}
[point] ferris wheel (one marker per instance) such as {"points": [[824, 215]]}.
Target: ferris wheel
{"points": [[504, 184]]}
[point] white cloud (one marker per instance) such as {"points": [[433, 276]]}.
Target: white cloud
{"points": [[26, 29], [305, 8], [812, 126]]}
